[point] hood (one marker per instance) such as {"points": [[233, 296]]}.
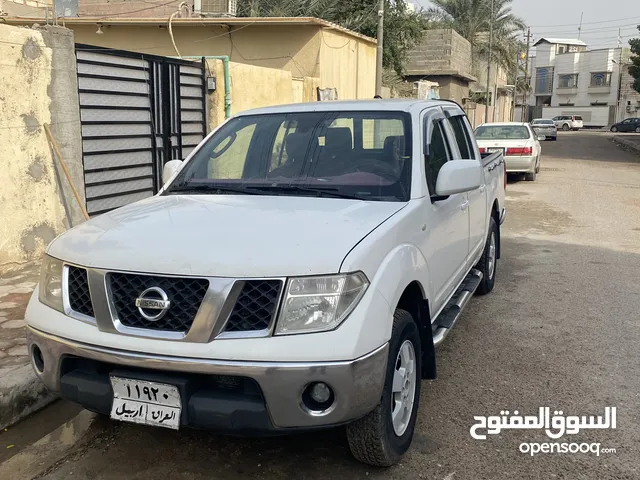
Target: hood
{"points": [[224, 235]]}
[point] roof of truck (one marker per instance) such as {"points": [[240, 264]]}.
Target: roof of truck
{"points": [[404, 105]]}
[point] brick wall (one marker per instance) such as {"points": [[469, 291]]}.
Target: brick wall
{"points": [[441, 51], [132, 8]]}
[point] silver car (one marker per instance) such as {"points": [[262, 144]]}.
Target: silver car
{"points": [[546, 127]]}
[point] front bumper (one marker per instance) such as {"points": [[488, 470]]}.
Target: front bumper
{"points": [[520, 164], [80, 372]]}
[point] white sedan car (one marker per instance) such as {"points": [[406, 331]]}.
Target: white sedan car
{"points": [[517, 141]]}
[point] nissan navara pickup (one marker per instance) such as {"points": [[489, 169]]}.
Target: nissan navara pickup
{"points": [[297, 271]]}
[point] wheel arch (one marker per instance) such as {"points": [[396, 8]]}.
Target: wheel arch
{"points": [[414, 301]]}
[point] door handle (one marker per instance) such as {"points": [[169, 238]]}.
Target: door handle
{"points": [[464, 205], [482, 187]]}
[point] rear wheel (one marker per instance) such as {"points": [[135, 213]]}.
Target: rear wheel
{"points": [[538, 165], [488, 261], [383, 436], [614, 129], [637, 129]]}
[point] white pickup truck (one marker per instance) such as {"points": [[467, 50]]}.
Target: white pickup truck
{"points": [[296, 272]]}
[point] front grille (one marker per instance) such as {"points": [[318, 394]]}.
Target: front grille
{"points": [[185, 295], [79, 296], [255, 306]]}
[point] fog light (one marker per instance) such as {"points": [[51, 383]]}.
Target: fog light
{"points": [[320, 392], [37, 358], [318, 398]]}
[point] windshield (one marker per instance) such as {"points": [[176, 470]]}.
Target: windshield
{"points": [[502, 132], [363, 155]]}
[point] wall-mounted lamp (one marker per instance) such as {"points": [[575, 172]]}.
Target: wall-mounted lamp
{"points": [[99, 31], [211, 84]]}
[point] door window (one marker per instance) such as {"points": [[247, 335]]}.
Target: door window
{"points": [[438, 155], [462, 137]]}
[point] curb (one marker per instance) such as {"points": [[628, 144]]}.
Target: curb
{"points": [[21, 394], [635, 146]]}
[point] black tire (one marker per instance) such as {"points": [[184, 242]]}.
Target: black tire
{"points": [[614, 129], [555, 139], [488, 273], [372, 439], [531, 177], [566, 127], [538, 165], [637, 129]]}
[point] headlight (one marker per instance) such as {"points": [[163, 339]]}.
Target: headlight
{"points": [[317, 304], [50, 292]]}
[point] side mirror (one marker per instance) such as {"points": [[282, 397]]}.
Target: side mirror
{"points": [[542, 137], [170, 169], [458, 176]]}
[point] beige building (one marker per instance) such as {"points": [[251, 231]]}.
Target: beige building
{"points": [[273, 60]]}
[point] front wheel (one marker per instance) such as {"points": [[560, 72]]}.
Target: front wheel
{"points": [[383, 436], [488, 261]]}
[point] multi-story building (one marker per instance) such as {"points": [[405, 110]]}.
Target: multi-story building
{"points": [[566, 78]]}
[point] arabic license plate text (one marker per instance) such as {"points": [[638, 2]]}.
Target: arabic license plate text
{"points": [[148, 403], [494, 150]]}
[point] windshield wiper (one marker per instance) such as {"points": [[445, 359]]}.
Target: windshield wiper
{"points": [[213, 189], [318, 191]]}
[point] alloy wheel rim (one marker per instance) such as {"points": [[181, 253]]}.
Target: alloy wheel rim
{"points": [[403, 388], [492, 255]]}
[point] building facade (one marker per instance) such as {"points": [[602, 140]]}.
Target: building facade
{"points": [[566, 78], [443, 56]]}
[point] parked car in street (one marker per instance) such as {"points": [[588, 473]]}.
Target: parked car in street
{"points": [[297, 271], [517, 141], [569, 122], [628, 125], [546, 128]]}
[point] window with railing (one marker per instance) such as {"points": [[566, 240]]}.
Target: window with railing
{"points": [[601, 79], [569, 80], [544, 80]]}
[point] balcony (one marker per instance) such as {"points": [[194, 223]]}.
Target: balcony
{"points": [[567, 91], [600, 89]]}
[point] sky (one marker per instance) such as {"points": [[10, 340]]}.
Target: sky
{"points": [[561, 18]]}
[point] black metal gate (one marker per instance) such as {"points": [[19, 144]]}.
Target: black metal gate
{"points": [[137, 112]]}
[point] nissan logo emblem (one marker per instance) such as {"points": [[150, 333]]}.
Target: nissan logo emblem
{"points": [[152, 299]]}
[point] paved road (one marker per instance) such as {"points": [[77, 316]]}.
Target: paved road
{"points": [[560, 330]]}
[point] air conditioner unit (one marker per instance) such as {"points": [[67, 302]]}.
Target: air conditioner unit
{"points": [[215, 8]]}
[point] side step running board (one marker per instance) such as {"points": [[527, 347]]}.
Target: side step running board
{"points": [[452, 312]]}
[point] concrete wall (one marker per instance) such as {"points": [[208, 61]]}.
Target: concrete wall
{"points": [[628, 97], [133, 8], [451, 88], [440, 51], [38, 87], [25, 8], [292, 48], [347, 64]]}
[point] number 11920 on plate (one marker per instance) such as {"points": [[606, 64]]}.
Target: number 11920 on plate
{"points": [[144, 402]]}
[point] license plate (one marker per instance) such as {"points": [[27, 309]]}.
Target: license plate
{"points": [[147, 403], [495, 150]]}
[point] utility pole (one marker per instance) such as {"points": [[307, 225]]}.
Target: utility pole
{"points": [[486, 110], [525, 93], [580, 27], [380, 49]]}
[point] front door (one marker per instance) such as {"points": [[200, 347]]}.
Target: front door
{"points": [[445, 243]]}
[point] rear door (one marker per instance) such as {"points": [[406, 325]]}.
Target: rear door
{"points": [[445, 244], [468, 150]]}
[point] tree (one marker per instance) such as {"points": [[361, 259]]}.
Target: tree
{"points": [[634, 69], [472, 19], [403, 28]]}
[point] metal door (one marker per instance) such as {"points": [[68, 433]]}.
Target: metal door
{"points": [[137, 112]]}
